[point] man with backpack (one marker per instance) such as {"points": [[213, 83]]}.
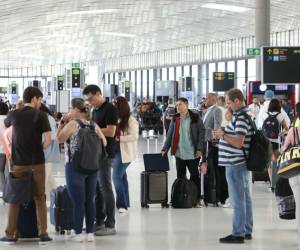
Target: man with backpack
{"points": [[29, 125], [105, 115], [234, 140]]}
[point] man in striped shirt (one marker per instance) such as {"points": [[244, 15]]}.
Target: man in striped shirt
{"points": [[233, 148]]}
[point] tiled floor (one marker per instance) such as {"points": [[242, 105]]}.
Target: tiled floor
{"points": [[197, 228]]}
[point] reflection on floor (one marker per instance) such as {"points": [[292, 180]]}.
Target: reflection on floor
{"points": [[197, 228]]}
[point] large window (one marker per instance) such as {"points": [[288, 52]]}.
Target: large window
{"points": [[231, 66], [240, 74], [186, 71], [145, 83], [151, 84], [195, 77], [178, 73], [211, 70], [204, 80], [252, 69], [171, 74], [221, 67], [139, 85], [164, 74], [133, 81]]}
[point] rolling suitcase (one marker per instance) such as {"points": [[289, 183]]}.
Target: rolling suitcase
{"points": [[27, 221], [61, 210], [154, 188]]}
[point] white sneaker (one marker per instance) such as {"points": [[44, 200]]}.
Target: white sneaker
{"points": [[122, 210], [90, 237], [76, 238], [226, 204]]}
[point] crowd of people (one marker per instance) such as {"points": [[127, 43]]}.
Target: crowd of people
{"points": [[215, 142]]}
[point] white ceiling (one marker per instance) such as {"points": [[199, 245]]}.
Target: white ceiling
{"points": [[49, 32]]}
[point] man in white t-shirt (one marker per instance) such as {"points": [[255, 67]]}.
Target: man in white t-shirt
{"points": [[269, 95]]}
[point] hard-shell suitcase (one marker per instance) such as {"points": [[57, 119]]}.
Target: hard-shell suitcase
{"points": [[154, 188], [27, 221], [61, 210]]}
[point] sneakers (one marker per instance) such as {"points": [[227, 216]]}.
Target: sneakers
{"points": [[7, 241], [226, 204], [248, 236], [122, 210], [90, 237], [106, 231], [230, 239], [77, 238], [44, 239]]}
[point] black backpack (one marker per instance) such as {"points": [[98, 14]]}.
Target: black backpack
{"points": [[271, 126], [90, 151], [184, 193], [260, 154]]}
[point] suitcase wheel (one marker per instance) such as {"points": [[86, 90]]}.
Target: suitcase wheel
{"points": [[144, 205], [57, 229], [62, 232], [164, 205]]}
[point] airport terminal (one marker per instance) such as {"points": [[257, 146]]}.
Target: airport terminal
{"points": [[150, 124]]}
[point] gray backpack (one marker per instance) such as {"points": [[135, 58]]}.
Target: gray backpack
{"points": [[90, 152]]}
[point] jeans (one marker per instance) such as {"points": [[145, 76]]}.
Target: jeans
{"points": [[192, 166], [82, 190], [105, 199], [120, 180], [38, 172], [239, 193]]}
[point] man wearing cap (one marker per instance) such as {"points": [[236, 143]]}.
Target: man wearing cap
{"points": [[269, 95]]}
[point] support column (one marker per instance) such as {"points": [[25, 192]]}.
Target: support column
{"points": [[262, 30]]}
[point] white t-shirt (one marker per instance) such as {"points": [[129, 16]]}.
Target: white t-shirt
{"points": [[254, 110], [280, 118]]}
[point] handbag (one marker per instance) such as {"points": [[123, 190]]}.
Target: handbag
{"points": [[18, 190], [289, 161]]}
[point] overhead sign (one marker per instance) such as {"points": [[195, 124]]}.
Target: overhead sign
{"points": [[76, 78], [253, 52], [3, 90], [60, 82], [75, 65], [281, 65], [223, 81]]}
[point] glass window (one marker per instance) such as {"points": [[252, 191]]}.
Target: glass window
{"points": [[178, 73], [230, 66], [151, 84], [145, 83], [204, 79], [171, 74], [252, 69], [106, 79], [133, 81], [127, 75], [164, 74], [211, 70], [116, 82], [221, 67], [186, 70], [139, 84], [240, 74], [195, 77]]}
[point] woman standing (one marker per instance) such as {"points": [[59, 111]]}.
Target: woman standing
{"points": [[126, 151], [81, 187]]}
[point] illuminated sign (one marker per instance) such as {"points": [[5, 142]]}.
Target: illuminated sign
{"points": [[223, 81]]}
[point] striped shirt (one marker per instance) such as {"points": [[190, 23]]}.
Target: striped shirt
{"points": [[238, 126]]}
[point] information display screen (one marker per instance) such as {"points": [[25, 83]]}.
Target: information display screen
{"points": [[281, 65], [223, 81]]}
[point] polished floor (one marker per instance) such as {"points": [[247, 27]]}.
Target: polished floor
{"points": [[161, 229]]}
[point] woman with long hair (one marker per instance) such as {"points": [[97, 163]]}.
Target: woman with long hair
{"points": [[126, 151], [81, 187]]}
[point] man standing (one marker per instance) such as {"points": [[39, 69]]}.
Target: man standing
{"points": [[212, 120], [235, 139], [29, 125], [186, 140], [105, 115]]}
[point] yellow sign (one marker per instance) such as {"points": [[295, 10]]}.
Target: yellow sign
{"points": [[276, 51]]}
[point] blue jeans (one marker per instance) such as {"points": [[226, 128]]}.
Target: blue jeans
{"points": [[120, 180], [82, 191], [239, 193]]}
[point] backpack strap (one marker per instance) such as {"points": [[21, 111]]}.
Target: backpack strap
{"points": [[82, 125]]}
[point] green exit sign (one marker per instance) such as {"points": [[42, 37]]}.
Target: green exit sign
{"points": [[253, 52], [75, 65]]}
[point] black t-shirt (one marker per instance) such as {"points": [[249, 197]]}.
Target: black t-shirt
{"points": [[28, 126], [103, 116]]}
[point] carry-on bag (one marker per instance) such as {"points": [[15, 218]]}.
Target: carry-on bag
{"points": [[27, 221], [154, 188], [285, 199], [61, 210], [184, 193]]}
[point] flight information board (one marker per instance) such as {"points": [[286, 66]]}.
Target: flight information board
{"points": [[223, 81], [281, 65]]}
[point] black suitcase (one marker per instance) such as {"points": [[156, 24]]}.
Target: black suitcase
{"points": [[260, 176], [61, 210], [154, 188], [27, 221], [210, 187]]}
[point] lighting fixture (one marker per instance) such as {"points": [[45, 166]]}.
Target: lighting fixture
{"points": [[93, 12], [226, 7], [58, 25], [117, 34], [263, 87]]}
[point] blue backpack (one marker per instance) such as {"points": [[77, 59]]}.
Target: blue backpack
{"points": [[271, 126]]}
